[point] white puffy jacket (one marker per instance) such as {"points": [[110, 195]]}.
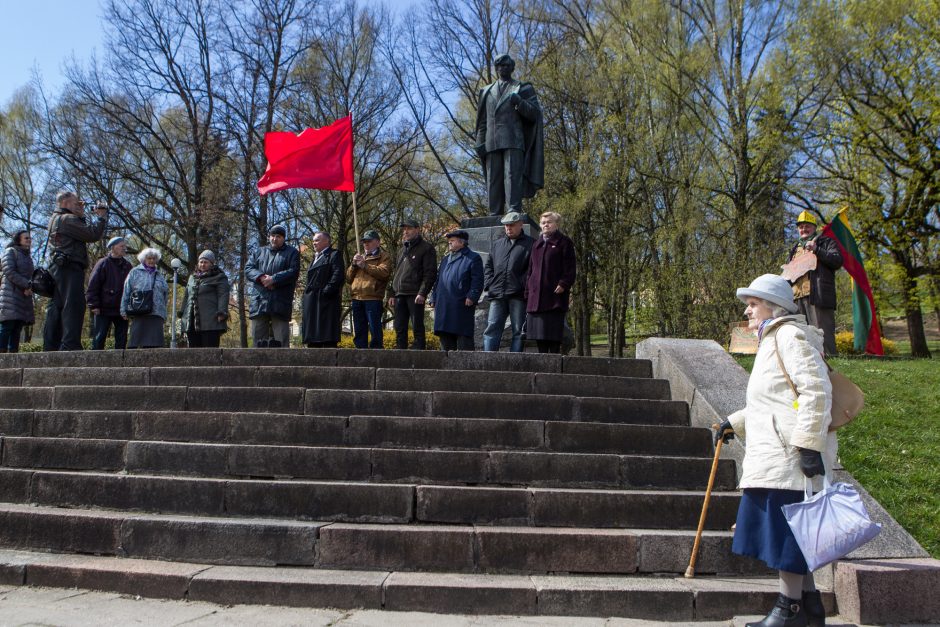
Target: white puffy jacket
{"points": [[771, 424]]}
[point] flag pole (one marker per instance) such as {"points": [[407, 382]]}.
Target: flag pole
{"points": [[359, 248], [356, 223]]}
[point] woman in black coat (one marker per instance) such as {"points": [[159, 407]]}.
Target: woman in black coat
{"points": [[548, 285], [323, 295], [16, 294]]}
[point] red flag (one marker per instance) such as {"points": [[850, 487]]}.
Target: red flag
{"points": [[318, 158]]}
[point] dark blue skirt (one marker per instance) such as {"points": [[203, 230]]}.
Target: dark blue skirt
{"points": [[762, 532]]}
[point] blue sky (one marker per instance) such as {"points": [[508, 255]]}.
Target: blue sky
{"points": [[44, 33]]}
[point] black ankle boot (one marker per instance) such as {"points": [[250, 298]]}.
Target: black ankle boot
{"points": [[814, 609], [786, 613]]}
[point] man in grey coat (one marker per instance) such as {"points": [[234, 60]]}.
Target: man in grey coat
{"points": [[69, 235]]}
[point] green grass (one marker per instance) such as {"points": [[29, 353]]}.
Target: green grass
{"points": [[893, 447]]}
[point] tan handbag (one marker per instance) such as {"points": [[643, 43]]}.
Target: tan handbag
{"points": [[847, 398]]}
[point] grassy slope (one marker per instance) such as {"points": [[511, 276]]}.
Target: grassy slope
{"points": [[893, 447]]}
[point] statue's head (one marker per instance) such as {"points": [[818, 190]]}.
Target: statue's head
{"points": [[504, 65]]}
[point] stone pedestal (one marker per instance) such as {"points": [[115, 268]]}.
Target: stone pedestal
{"points": [[483, 232]]}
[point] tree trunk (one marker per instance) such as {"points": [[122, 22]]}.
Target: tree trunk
{"points": [[915, 319]]}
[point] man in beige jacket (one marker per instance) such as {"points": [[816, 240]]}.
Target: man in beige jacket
{"points": [[368, 276]]}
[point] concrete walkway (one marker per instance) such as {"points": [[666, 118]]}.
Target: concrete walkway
{"points": [[20, 606]]}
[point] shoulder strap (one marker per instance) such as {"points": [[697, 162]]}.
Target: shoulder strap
{"points": [[786, 375]]}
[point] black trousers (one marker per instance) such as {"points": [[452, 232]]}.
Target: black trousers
{"points": [[546, 346], [405, 310], [10, 335], [65, 312], [452, 342], [101, 328], [204, 339]]}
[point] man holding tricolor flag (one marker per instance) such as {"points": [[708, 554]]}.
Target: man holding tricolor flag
{"points": [[811, 270]]}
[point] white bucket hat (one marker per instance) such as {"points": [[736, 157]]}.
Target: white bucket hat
{"points": [[772, 288]]}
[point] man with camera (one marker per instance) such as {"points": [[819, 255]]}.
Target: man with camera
{"points": [[69, 234]]}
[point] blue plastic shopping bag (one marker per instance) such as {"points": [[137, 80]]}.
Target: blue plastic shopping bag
{"points": [[831, 524]]}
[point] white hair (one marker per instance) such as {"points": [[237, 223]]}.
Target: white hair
{"points": [[776, 310], [148, 252], [63, 196]]}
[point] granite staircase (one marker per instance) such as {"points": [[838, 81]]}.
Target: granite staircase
{"points": [[483, 483]]}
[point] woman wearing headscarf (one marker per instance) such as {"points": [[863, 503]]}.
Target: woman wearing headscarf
{"points": [[548, 284], [205, 304], [788, 442], [16, 294], [146, 328]]}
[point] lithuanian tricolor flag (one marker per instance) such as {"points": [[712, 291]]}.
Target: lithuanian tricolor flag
{"points": [[864, 321]]}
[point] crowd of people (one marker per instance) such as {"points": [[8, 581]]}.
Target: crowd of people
{"points": [[525, 279]]}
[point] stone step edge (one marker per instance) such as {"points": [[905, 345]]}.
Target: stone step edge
{"points": [[700, 598], [378, 484], [414, 359], [414, 547]]}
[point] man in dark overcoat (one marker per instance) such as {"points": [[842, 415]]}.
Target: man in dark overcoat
{"points": [[456, 293], [272, 273], [323, 295]]}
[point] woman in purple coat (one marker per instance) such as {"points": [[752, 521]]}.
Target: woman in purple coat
{"points": [[548, 284]]}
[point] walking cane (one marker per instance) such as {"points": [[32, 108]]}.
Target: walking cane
{"points": [[690, 571]]}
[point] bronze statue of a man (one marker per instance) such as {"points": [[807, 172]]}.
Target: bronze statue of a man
{"points": [[509, 139]]}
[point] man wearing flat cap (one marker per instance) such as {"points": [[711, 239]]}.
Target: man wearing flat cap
{"points": [[458, 289], [509, 139], [105, 288], [272, 273], [368, 276], [504, 277], [415, 274]]}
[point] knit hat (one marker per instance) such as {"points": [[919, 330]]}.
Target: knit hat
{"points": [[278, 229], [207, 254], [772, 288], [114, 240]]}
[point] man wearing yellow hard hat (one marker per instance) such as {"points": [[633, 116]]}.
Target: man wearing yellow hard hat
{"points": [[815, 291]]}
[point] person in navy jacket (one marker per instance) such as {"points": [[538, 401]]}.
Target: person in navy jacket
{"points": [[458, 289]]}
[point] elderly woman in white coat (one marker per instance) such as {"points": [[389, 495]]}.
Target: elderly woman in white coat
{"points": [[787, 443]]}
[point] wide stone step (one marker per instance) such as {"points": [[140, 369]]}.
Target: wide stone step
{"points": [[348, 378], [291, 400], [430, 360], [507, 468], [455, 548], [661, 598], [369, 502], [373, 431]]}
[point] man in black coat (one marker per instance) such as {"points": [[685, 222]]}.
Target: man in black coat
{"points": [[69, 235], [504, 281], [415, 276], [815, 291], [323, 295], [272, 274], [105, 287]]}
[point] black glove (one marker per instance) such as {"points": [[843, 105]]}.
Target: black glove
{"points": [[514, 99], [720, 433], [811, 462]]}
